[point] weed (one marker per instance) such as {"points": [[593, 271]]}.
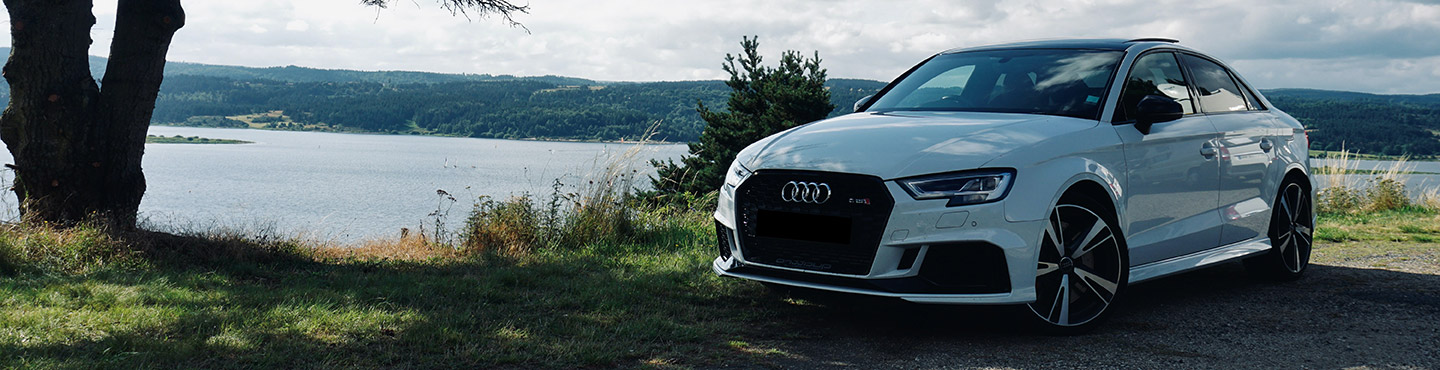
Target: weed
{"points": [[441, 214]]}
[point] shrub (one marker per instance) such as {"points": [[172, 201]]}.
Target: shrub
{"points": [[511, 226], [1385, 194], [1338, 199]]}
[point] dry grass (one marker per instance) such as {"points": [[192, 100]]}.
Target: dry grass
{"points": [[54, 250], [1384, 191], [407, 248]]}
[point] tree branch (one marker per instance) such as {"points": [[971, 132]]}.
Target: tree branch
{"points": [[481, 8]]}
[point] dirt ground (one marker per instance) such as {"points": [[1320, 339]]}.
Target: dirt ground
{"points": [[1342, 314]]}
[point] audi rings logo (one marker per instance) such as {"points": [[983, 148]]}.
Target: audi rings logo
{"points": [[805, 192]]}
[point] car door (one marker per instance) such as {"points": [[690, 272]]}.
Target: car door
{"points": [[1246, 145], [1171, 171]]}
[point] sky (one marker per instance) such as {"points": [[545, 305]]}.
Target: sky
{"points": [[1378, 46]]}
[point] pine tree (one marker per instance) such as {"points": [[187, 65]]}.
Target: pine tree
{"points": [[763, 101]]}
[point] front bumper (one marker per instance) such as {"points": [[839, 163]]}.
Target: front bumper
{"points": [[930, 253]]}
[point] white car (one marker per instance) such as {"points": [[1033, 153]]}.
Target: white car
{"points": [[1045, 174]]}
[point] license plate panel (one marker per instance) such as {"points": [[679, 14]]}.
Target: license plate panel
{"points": [[803, 227]]}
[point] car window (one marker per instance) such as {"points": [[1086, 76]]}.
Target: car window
{"points": [[948, 83], [1153, 74], [1040, 81], [1217, 90], [1249, 95]]}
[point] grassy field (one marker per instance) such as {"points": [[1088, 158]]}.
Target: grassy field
{"points": [[278, 120], [81, 299]]}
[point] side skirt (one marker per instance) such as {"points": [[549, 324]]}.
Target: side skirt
{"points": [[1198, 259]]}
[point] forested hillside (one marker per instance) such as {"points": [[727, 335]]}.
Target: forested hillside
{"points": [[554, 107], [1365, 123], [490, 109]]}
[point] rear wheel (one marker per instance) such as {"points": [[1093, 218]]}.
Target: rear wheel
{"points": [[1292, 227], [1083, 267]]}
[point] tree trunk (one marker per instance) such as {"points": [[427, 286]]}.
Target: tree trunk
{"points": [[77, 147]]}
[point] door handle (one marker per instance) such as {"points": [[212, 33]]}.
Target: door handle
{"points": [[1266, 145], [1207, 151]]}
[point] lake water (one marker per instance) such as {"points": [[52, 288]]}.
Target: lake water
{"points": [[1415, 184], [349, 187]]}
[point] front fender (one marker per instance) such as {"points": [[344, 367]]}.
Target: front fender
{"points": [[1095, 155]]}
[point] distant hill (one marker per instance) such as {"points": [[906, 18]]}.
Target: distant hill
{"points": [[490, 109], [503, 106], [1365, 123], [557, 107], [1351, 96], [306, 74]]}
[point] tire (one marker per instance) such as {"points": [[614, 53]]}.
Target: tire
{"points": [[1292, 228], [1083, 268]]}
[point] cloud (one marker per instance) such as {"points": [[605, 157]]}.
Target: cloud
{"points": [[1390, 76], [1365, 45]]}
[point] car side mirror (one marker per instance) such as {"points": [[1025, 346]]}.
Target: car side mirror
{"points": [[1154, 109], [861, 103]]}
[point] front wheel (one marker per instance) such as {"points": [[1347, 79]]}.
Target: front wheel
{"points": [[1292, 229], [1083, 267]]}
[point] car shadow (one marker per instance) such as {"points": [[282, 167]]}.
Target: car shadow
{"points": [[1335, 316]]}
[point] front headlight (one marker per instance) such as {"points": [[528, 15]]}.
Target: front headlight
{"points": [[962, 188], [734, 176]]}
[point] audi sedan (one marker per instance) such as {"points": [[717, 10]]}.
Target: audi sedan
{"points": [[1046, 175]]}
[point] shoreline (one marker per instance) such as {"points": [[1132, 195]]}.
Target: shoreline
{"points": [[362, 132]]}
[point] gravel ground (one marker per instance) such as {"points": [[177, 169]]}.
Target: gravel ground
{"points": [[1342, 314]]}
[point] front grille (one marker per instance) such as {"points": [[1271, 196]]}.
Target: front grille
{"points": [[839, 235]]}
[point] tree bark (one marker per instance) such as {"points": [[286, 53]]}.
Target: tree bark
{"points": [[77, 147]]}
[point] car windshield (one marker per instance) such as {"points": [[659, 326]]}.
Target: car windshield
{"points": [[1044, 81]]}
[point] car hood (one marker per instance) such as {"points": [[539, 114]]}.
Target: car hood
{"points": [[900, 144]]}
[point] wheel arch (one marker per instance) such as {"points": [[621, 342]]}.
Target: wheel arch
{"points": [[1091, 177], [1102, 196], [1298, 175]]}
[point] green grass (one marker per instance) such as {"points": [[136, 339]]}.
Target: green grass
{"points": [[1411, 224], [159, 301]]}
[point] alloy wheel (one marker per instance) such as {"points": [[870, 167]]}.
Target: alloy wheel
{"points": [[1081, 267], [1292, 228]]}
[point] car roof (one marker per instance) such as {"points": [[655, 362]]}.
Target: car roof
{"points": [[1091, 44]]}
